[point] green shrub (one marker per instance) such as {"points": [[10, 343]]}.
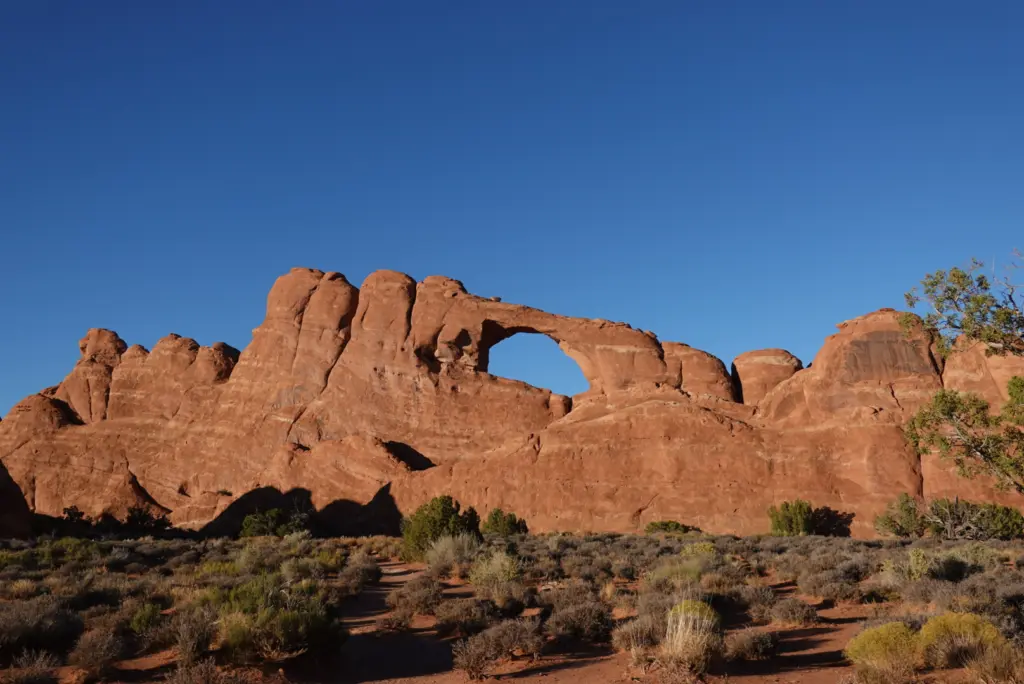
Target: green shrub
{"points": [[902, 518], [884, 654], [791, 518], [265, 619], [145, 618], [502, 524], [667, 527], [439, 517], [958, 519], [274, 523], [955, 639]]}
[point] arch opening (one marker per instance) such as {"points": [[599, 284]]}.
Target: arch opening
{"points": [[536, 359]]}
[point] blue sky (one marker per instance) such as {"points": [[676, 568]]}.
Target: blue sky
{"points": [[735, 175]]}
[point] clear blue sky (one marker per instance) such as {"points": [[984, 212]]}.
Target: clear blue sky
{"points": [[734, 175]]}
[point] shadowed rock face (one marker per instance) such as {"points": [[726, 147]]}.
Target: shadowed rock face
{"points": [[349, 392]]}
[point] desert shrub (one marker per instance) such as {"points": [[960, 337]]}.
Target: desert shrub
{"points": [[674, 573], [798, 518], [193, 631], [21, 589], [954, 639], [40, 624], [698, 549], [751, 644], [97, 651], [140, 521], [697, 608], [830, 585], [957, 519], [464, 616], [204, 672], [33, 667], [645, 631], [588, 621], [267, 619], [884, 654], [419, 595], [791, 518], [667, 527], [692, 639], [998, 665], [474, 655], [145, 618], [791, 611], [275, 522], [450, 554], [494, 570], [439, 517], [360, 570], [758, 601], [502, 524], [902, 518]]}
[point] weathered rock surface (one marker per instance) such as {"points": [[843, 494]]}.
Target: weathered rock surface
{"points": [[370, 400], [756, 373]]}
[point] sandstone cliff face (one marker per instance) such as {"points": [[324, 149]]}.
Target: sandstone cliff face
{"points": [[365, 398]]}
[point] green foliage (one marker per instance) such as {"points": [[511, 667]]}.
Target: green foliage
{"points": [[791, 518], [145, 618], [885, 653], [502, 524], [967, 302], [962, 428], [74, 516], [960, 425], [667, 527], [957, 519], [697, 609], [439, 517], [798, 518], [264, 618], [141, 521], [274, 523], [902, 518]]}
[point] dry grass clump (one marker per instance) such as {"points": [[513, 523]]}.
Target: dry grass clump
{"points": [[452, 555], [33, 667], [692, 638]]}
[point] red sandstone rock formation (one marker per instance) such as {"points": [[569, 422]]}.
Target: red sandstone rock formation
{"points": [[371, 398]]}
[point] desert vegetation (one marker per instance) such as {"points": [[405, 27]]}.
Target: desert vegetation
{"points": [[670, 604]]}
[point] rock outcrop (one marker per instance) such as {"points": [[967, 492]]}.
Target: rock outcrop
{"points": [[370, 400]]}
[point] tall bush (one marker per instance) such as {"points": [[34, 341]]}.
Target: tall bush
{"points": [[441, 516]]}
